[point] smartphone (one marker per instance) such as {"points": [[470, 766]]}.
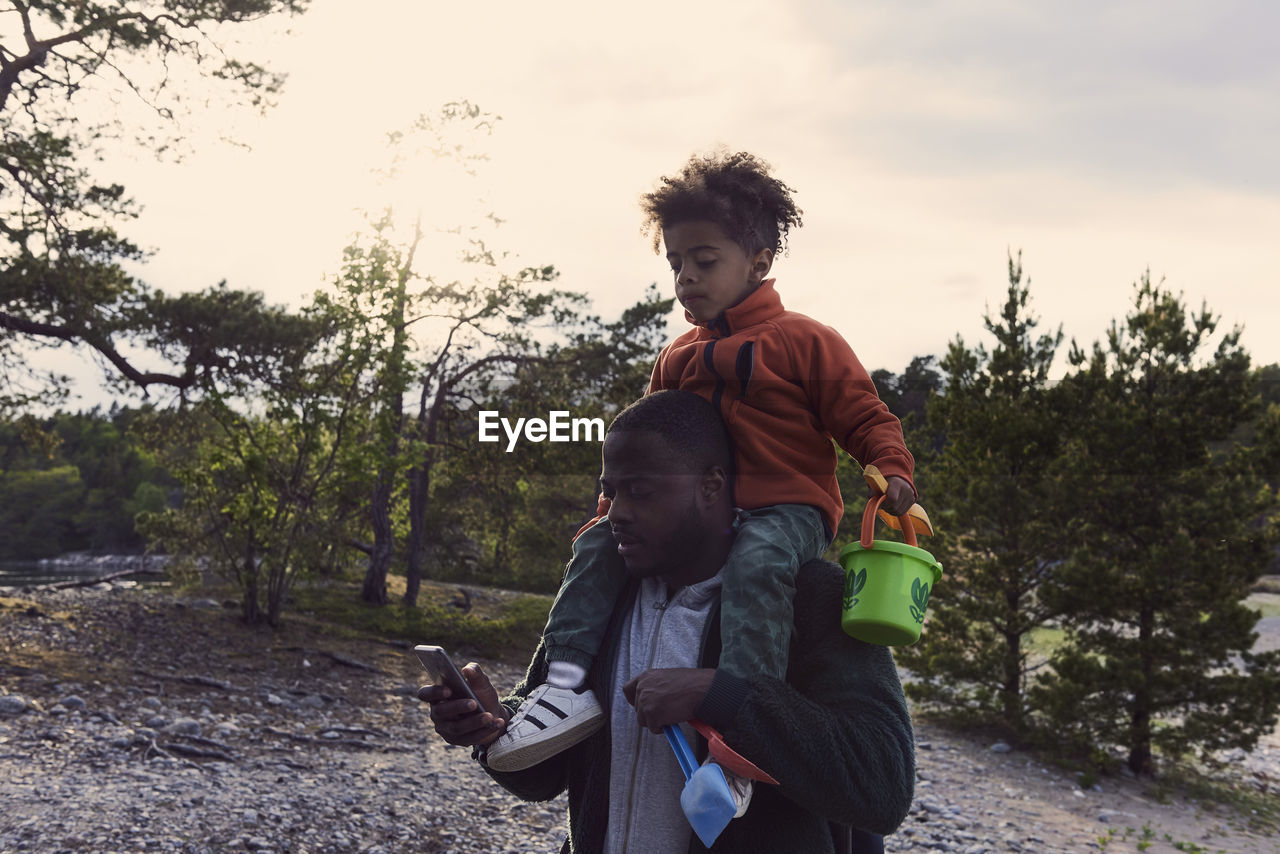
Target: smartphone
{"points": [[443, 671]]}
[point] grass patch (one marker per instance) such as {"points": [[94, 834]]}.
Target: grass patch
{"points": [[1045, 639], [496, 627], [1258, 811], [1267, 603], [1267, 584]]}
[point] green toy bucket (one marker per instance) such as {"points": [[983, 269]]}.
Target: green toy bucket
{"points": [[886, 584]]}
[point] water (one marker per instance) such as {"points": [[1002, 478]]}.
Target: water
{"points": [[24, 573]]}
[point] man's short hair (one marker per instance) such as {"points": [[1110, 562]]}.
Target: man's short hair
{"points": [[688, 422]]}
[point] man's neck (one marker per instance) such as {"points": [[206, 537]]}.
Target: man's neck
{"points": [[712, 556]]}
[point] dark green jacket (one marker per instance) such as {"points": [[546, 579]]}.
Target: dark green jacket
{"points": [[836, 735]]}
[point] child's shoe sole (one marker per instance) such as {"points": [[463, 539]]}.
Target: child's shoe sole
{"points": [[549, 721]]}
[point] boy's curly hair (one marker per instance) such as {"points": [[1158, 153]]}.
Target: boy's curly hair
{"points": [[735, 191]]}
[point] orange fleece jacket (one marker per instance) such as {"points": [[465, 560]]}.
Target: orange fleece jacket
{"points": [[786, 386]]}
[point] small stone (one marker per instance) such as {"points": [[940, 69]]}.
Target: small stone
{"points": [[273, 700], [206, 604], [183, 726], [73, 703], [249, 817], [312, 701], [12, 704], [156, 722], [1000, 747], [152, 702]]}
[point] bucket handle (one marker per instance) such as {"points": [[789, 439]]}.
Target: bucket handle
{"points": [[869, 523]]}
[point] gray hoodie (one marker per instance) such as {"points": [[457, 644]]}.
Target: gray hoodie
{"points": [[663, 630]]}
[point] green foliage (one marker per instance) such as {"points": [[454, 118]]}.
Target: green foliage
{"points": [[440, 503], [38, 510], [992, 493], [521, 509], [264, 493], [1168, 537], [1125, 511], [62, 258], [908, 393], [75, 483], [514, 628]]}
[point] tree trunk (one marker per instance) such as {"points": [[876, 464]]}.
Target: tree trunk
{"points": [[419, 483], [276, 588], [375, 577], [1011, 690], [249, 609], [1140, 721], [420, 491], [394, 384], [278, 578], [1011, 699]]}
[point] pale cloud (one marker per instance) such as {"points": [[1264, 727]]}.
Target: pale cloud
{"points": [[925, 139], [1147, 94]]}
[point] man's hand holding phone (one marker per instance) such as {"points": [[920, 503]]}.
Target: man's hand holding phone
{"points": [[463, 720]]}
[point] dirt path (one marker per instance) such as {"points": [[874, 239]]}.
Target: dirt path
{"points": [[149, 723]]}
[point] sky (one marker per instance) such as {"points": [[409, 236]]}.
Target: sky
{"points": [[926, 141]]}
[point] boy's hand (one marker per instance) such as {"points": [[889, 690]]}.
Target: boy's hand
{"points": [[460, 721], [898, 496]]}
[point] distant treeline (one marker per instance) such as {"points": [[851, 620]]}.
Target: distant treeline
{"points": [[76, 482]]}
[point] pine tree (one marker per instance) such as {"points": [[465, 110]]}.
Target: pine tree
{"points": [[1171, 527], [991, 493]]}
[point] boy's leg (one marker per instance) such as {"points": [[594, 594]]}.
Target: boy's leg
{"points": [[756, 601], [756, 598], [559, 714], [592, 583]]}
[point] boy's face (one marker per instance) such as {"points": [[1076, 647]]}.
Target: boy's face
{"points": [[712, 272]]}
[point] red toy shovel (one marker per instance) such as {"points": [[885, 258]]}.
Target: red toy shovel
{"points": [[727, 756]]}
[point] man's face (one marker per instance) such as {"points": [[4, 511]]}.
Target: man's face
{"points": [[658, 508], [712, 272]]}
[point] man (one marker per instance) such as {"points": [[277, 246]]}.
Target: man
{"points": [[836, 734]]}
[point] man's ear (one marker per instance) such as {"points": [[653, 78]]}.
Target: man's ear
{"points": [[713, 486], [761, 264]]}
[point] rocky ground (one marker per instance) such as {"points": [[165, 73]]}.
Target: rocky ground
{"points": [[134, 721]]}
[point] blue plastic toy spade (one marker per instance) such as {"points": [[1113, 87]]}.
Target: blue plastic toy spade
{"points": [[706, 800]]}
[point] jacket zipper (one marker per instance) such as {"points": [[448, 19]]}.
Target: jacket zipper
{"points": [[635, 758], [743, 368], [708, 358]]}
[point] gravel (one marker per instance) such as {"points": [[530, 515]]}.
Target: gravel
{"points": [[290, 750]]}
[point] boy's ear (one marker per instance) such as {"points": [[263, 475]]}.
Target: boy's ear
{"points": [[761, 264]]}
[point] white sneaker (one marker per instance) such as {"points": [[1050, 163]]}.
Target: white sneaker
{"points": [[741, 787], [548, 721]]}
